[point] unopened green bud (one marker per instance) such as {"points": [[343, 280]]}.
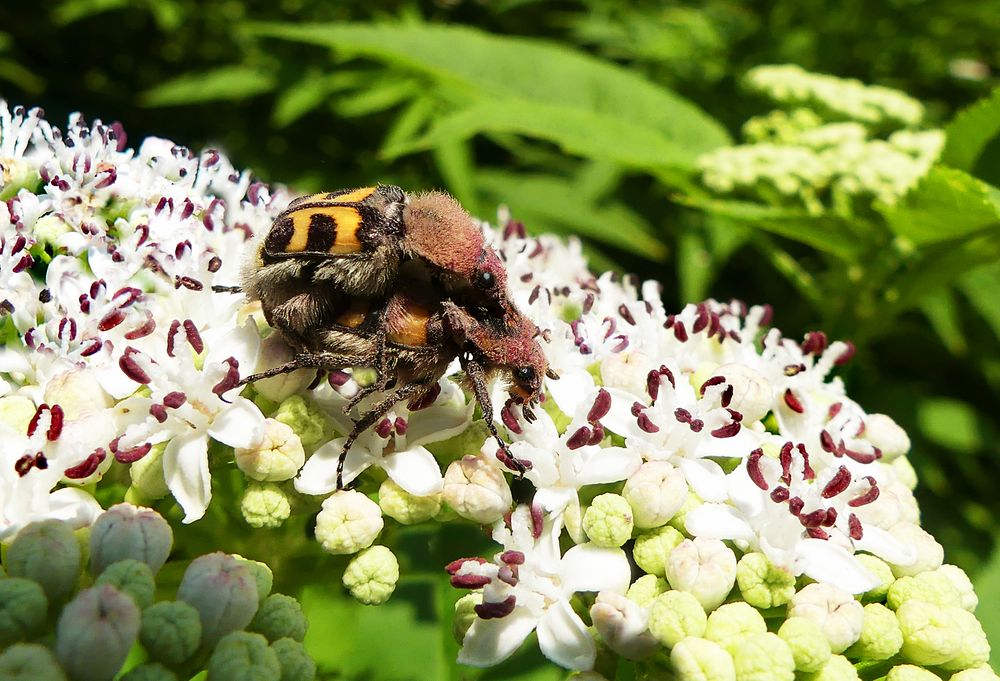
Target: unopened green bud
{"points": [[223, 591], [265, 504], [881, 637], [691, 502], [243, 655], [763, 584], [46, 552], [296, 665], [656, 493], [465, 615], [909, 672], [703, 567], [48, 229], [308, 423], [152, 671], [371, 575], [262, 576], [732, 621], [675, 615], [930, 554], [961, 581], [99, 620], [132, 578], [349, 522], [646, 588], [171, 632], [761, 657], [406, 508], [838, 668], [127, 531], [146, 474], [833, 609], [931, 635], [652, 549], [983, 673], [29, 662], [22, 610], [608, 521], [280, 616], [975, 648], [810, 649], [882, 572], [698, 659], [278, 456], [933, 587], [16, 411]]}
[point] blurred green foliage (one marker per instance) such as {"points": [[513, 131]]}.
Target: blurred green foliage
{"points": [[588, 117]]}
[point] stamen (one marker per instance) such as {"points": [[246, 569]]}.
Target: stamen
{"points": [[489, 611], [868, 497], [793, 402], [754, 469], [454, 566], [840, 481], [512, 557], [131, 368], [626, 314], [470, 581], [87, 467], [730, 430], [646, 424], [856, 530], [680, 333], [384, 428], [580, 438], [230, 380], [56, 424], [174, 399], [795, 505], [602, 405], [537, 521], [193, 337]]}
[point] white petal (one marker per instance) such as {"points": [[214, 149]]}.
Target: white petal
{"points": [[717, 521], [242, 343], [563, 638], [825, 561], [185, 469], [572, 388], [705, 478], [73, 505], [438, 422], [415, 470], [239, 424], [619, 419], [587, 567], [319, 474], [595, 465], [490, 642], [879, 542], [554, 500]]}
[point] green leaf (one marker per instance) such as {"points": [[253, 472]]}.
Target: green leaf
{"points": [[947, 204], [950, 423], [982, 287], [223, 83], [74, 10], [942, 312], [970, 130], [987, 584]]}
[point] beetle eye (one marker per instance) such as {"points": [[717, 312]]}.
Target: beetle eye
{"points": [[485, 280], [525, 374]]}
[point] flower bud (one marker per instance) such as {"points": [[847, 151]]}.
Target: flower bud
{"points": [[406, 508], [652, 549], [307, 422], [646, 588], [886, 434], [732, 621], [674, 615], [46, 552], [16, 411], [930, 554], [905, 472], [152, 671], [881, 637], [349, 522], [763, 584], [146, 474], [983, 673], [656, 493], [132, 578], [763, 657], [839, 668], [465, 615], [931, 635], [277, 456], [371, 575], [99, 620], [49, 229], [752, 393], [975, 648], [703, 567], [933, 587], [476, 490], [274, 351], [265, 504], [622, 625], [243, 655], [963, 584], [909, 672], [170, 632], [223, 591], [78, 392], [22, 610], [692, 501], [810, 649], [698, 659], [833, 609], [608, 521], [280, 616], [262, 576], [29, 662], [127, 531], [295, 663], [882, 572]]}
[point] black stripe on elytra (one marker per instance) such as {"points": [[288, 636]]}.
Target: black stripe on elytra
{"points": [[279, 236], [322, 233]]}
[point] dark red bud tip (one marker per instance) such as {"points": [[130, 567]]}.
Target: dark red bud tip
{"points": [[489, 611]]}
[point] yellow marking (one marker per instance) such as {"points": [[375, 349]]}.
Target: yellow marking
{"points": [[346, 220], [300, 232], [410, 327], [354, 316], [354, 196]]}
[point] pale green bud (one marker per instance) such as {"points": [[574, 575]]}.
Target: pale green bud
{"points": [[146, 474], [262, 576], [975, 648], [732, 621], [46, 552], [646, 588], [29, 662], [308, 423], [465, 615], [48, 229], [243, 655], [835, 611], [101, 619], [22, 610], [881, 637], [608, 521], [153, 671], [931, 635], [348, 522], [406, 508], [622, 625], [930, 554], [881, 570], [761, 657], [476, 490], [703, 567], [295, 663], [652, 549], [127, 531], [170, 632], [961, 581], [839, 668], [371, 575], [655, 493], [573, 522], [17, 175], [223, 591], [692, 501], [78, 392], [16, 411], [280, 616], [698, 659], [752, 392], [983, 673], [278, 456], [265, 504], [909, 672], [274, 351], [675, 615], [132, 578], [933, 587], [905, 472], [810, 649], [887, 435], [763, 584]]}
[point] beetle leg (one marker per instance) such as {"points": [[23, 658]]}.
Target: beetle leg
{"points": [[227, 289], [477, 376], [380, 384], [303, 360]]}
